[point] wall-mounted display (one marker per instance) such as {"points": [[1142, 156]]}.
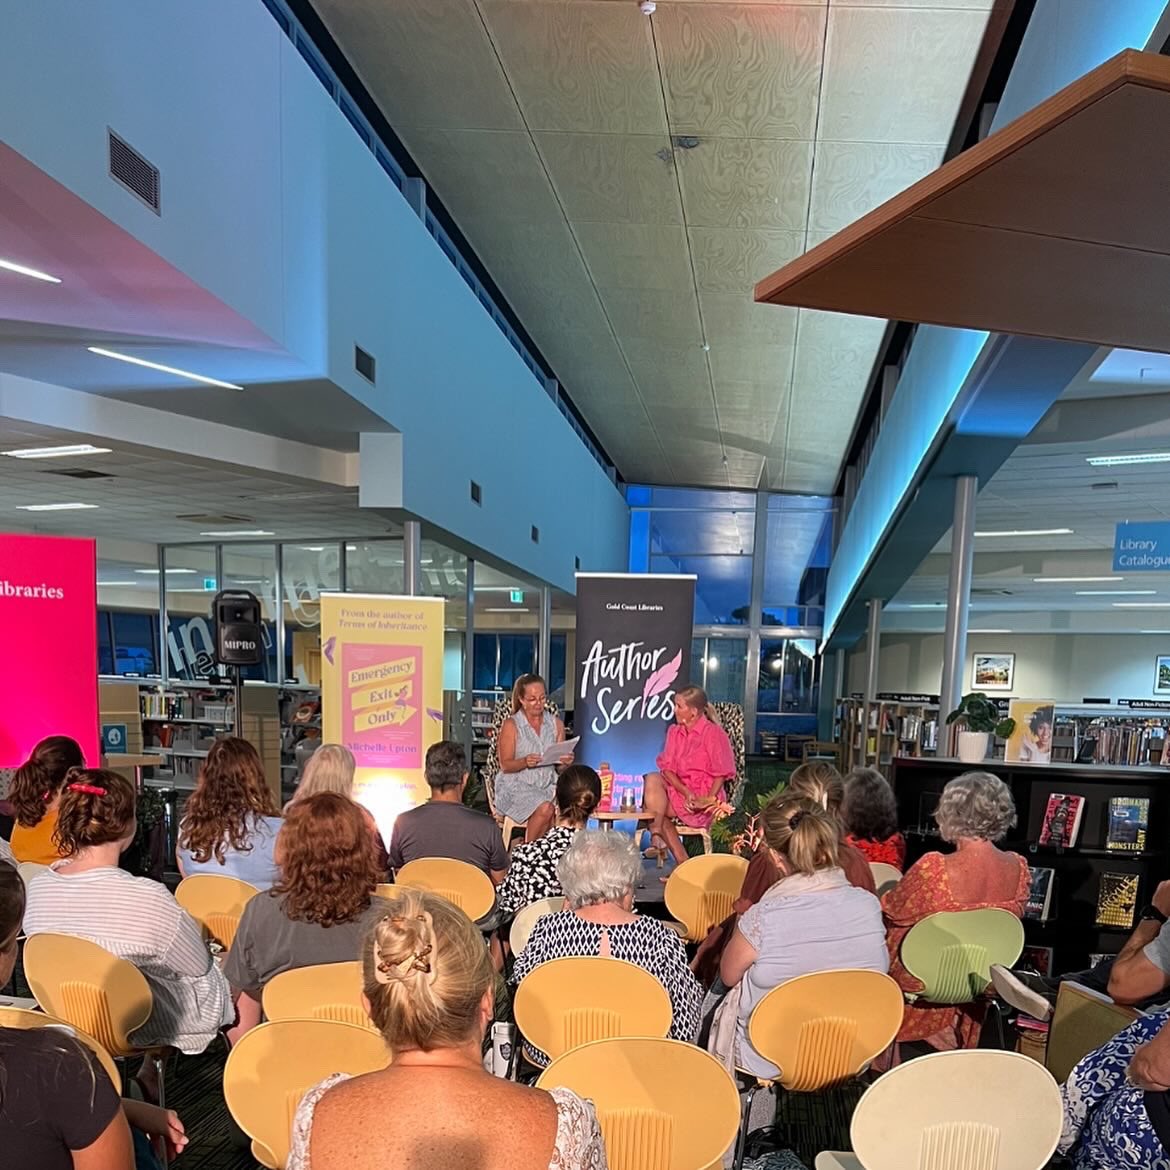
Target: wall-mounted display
{"points": [[1162, 675], [994, 672], [1031, 742]]}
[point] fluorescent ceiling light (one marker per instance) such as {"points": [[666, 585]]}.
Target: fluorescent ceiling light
{"points": [[1123, 460], [1029, 532], [56, 452], [1141, 605], [1115, 592], [927, 605], [509, 609], [311, 547], [1154, 631], [989, 631], [240, 532], [137, 361], [102, 584], [1069, 580], [73, 507], [24, 270], [154, 572]]}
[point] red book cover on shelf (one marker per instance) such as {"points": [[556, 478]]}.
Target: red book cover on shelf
{"points": [[1062, 820]]}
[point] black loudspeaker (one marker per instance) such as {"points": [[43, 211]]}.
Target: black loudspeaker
{"points": [[239, 640]]}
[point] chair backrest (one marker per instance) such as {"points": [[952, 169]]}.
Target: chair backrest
{"points": [[461, 884], [327, 991], [29, 870], [525, 920], [272, 1066], [502, 713], [885, 877], [662, 1104], [1082, 1021], [825, 1028], [86, 986], [952, 953], [14, 1017], [700, 892], [565, 1003], [972, 1109], [730, 716], [216, 902]]}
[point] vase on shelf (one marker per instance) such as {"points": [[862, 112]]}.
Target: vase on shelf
{"points": [[972, 748]]}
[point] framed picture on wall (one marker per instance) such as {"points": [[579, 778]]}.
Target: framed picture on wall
{"points": [[1162, 674], [996, 672]]}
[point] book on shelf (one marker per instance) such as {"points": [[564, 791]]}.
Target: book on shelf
{"points": [[1099, 957], [1129, 817], [1039, 959], [1117, 899], [1062, 820], [1040, 886]]}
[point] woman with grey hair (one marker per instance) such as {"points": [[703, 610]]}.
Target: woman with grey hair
{"points": [[975, 811], [598, 874]]}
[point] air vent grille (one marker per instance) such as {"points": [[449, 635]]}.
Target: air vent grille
{"points": [[535, 535], [364, 363], [79, 473], [134, 172], [476, 492]]}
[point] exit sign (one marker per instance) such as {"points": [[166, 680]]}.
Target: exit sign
{"points": [[209, 584], [517, 596]]}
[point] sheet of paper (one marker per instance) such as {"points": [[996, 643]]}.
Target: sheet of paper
{"points": [[553, 754]]}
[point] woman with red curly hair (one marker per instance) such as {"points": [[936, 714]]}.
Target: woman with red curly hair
{"points": [[230, 822], [319, 909]]}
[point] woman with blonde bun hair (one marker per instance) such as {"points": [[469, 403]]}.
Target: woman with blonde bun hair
{"points": [[429, 987]]}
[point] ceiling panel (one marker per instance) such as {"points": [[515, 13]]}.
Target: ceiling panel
{"points": [[635, 255], [742, 363], [576, 66], [723, 257], [653, 313], [851, 178], [728, 320]]}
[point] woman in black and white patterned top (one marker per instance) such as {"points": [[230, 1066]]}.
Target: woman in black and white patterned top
{"points": [[532, 872], [598, 874]]}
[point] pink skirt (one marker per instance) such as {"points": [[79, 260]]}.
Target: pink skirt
{"points": [[679, 811]]}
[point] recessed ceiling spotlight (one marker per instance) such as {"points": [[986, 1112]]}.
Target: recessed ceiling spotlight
{"points": [[706, 347], [137, 361], [1124, 460], [72, 507], [240, 532], [24, 270], [646, 7], [1029, 532], [56, 452], [1070, 580]]}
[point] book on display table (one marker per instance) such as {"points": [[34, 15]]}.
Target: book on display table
{"points": [[1117, 900], [1062, 820], [1040, 885], [1129, 817]]}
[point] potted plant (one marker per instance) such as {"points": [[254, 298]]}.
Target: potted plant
{"points": [[980, 720]]}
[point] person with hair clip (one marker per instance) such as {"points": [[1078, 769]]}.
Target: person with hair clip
{"points": [[34, 795], [429, 989], [230, 822], [811, 920], [523, 785], [59, 1110], [86, 895], [532, 874], [693, 767]]}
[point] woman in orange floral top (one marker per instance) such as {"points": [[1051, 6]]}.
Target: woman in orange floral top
{"points": [[975, 811], [870, 816]]}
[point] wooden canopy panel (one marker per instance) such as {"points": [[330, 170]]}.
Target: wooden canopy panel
{"points": [[1058, 226]]}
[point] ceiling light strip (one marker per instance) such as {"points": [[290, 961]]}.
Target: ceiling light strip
{"points": [[24, 270], [68, 451], [137, 361]]}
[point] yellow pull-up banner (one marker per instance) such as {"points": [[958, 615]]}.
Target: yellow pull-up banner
{"points": [[382, 693]]}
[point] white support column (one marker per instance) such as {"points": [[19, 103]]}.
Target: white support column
{"points": [[544, 640], [412, 558], [872, 650], [958, 594]]}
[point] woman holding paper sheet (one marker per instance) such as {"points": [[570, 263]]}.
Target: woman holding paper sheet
{"points": [[523, 784]]}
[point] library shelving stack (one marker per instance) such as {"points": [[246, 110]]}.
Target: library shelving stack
{"points": [[873, 734]]}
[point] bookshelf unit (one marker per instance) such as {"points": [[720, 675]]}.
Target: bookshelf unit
{"points": [[1071, 930], [873, 734]]}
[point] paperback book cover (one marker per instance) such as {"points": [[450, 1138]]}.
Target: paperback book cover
{"points": [[1039, 901], [1129, 816], [1117, 899], [1039, 959], [1062, 820]]}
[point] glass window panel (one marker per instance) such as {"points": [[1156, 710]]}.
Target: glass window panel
{"points": [[723, 589], [105, 643], [374, 566], [800, 675], [190, 589], [800, 544], [771, 675], [483, 665], [252, 568], [726, 669], [306, 571], [557, 653], [723, 531], [128, 584], [670, 497], [135, 640]]}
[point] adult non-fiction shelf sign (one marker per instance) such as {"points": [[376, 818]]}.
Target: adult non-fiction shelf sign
{"points": [[907, 697], [1145, 704], [1142, 547]]}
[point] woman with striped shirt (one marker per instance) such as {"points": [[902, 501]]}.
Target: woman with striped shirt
{"points": [[86, 895]]}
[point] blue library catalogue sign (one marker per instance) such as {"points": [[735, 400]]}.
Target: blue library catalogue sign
{"points": [[1142, 548]]}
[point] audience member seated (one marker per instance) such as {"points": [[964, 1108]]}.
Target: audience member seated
{"points": [[820, 782], [693, 767], [60, 1111], [523, 785], [230, 821], [319, 909], [445, 826], [811, 920], [329, 769], [86, 895], [35, 794], [429, 989], [598, 874], [869, 815], [1141, 971], [1117, 1101], [975, 811], [532, 874]]}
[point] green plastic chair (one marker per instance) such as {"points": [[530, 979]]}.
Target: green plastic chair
{"points": [[952, 953]]}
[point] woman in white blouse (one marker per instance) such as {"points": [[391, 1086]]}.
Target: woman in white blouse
{"points": [[86, 895]]}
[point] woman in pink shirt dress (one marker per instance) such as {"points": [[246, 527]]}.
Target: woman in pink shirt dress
{"points": [[692, 769]]}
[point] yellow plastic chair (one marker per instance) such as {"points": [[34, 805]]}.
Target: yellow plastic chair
{"points": [[14, 1017], [272, 1066], [662, 1104], [526, 919], [328, 991], [885, 877], [565, 1003], [700, 892], [91, 990], [821, 1030], [952, 952], [216, 902], [977, 1109], [467, 887]]}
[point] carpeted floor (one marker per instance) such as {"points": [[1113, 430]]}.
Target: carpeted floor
{"points": [[195, 1092]]}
